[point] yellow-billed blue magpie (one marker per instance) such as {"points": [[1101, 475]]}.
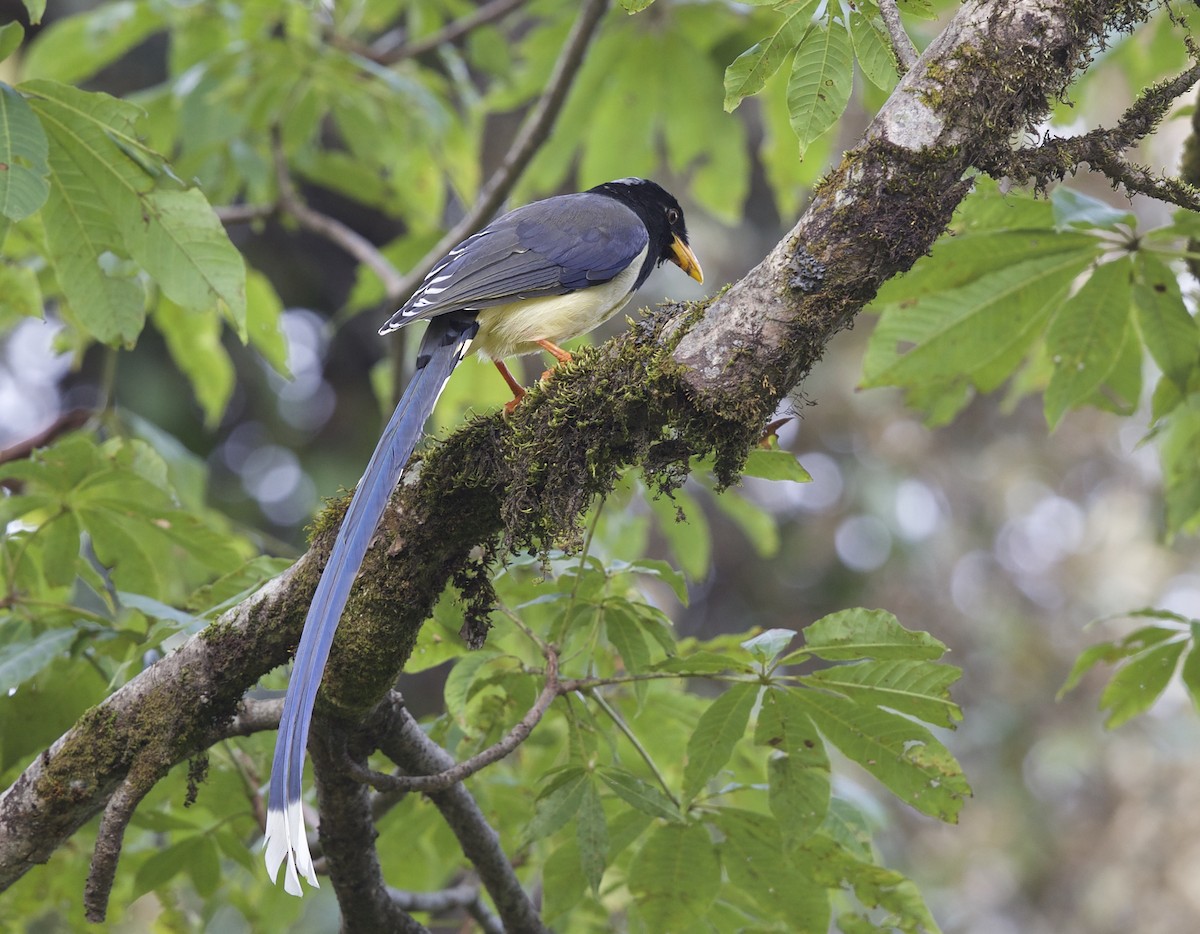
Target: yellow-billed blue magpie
{"points": [[530, 280]]}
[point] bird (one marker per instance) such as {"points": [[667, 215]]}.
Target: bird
{"points": [[529, 281]]}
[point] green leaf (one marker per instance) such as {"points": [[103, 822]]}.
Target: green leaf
{"points": [[759, 525], [560, 803], [20, 294], [61, 548], [20, 661], [1086, 337], [919, 689], [591, 832], [701, 663], [1075, 209], [1170, 332], [193, 339], [978, 331], [750, 70], [627, 637], [721, 725], [35, 9], [166, 864], [639, 794], [799, 790], [24, 150], [760, 866], [1190, 670], [873, 49], [821, 81], [76, 47], [1179, 442], [635, 6], [775, 464], [181, 243], [11, 36], [264, 321], [903, 755], [662, 570], [858, 633], [1139, 682], [675, 878]]}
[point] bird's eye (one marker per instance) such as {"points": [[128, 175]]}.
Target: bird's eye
{"points": [[672, 216]]}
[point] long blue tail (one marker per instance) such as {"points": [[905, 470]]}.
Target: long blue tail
{"points": [[445, 344]]}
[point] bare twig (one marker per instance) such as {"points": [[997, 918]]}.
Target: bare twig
{"points": [[334, 230], [902, 46], [1102, 149], [117, 814], [391, 47], [462, 770], [404, 742]]}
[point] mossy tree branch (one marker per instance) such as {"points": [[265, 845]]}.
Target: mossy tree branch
{"points": [[688, 380]]}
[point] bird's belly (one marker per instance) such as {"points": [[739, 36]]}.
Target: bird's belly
{"points": [[513, 329]]}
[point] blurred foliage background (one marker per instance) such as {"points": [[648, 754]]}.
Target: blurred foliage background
{"points": [[1016, 546]]}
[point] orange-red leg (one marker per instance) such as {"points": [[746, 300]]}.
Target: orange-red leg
{"points": [[518, 390], [562, 356]]}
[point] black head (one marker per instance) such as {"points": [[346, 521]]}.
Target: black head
{"points": [[663, 217]]}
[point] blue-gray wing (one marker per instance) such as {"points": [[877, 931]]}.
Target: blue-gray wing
{"points": [[551, 247]]}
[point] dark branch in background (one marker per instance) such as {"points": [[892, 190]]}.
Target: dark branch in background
{"points": [[1102, 149], [1189, 171], [902, 45], [391, 47], [463, 896], [332, 229], [230, 214]]}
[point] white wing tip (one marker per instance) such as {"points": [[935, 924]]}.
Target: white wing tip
{"points": [[286, 842]]}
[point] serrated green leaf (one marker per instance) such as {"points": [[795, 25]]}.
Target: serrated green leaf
{"points": [[627, 637], [639, 794], [902, 754], [460, 681], [721, 725], [758, 863], [858, 633], [591, 832], [978, 331], [1139, 682], [1179, 441], [560, 804], [873, 49], [1086, 336], [821, 81], [674, 878], [775, 465], [20, 661], [1170, 332], [874, 886], [919, 689], [750, 70], [24, 151]]}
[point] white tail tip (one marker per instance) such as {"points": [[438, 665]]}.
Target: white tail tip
{"points": [[286, 842]]}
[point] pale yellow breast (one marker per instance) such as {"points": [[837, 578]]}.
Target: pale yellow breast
{"points": [[512, 329]]}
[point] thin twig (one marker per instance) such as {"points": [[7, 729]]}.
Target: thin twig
{"points": [[902, 46], [468, 767], [66, 422], [391, 47], [334, 230], [637, 743]]}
